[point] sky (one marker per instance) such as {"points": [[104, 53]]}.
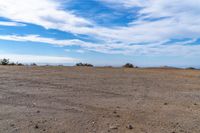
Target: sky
{"points": [[101, 32]]}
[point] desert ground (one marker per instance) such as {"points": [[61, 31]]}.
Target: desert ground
{"points": [[98, 100]]}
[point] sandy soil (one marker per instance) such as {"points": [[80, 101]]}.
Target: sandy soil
{"points": [[99, 100]]}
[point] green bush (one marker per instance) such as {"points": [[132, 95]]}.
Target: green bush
{"points": [[128, 65], [4, 62], [7, 62], [84, 64], [191, 68], [12, 64], [19, 64], [33, 64]]}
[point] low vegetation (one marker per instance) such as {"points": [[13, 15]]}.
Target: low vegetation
{"points": [[84, 64], [129, 65], [33, 64], [191, 68], [7, 62]]}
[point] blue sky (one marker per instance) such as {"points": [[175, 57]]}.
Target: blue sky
{"points": [[101, 32]]}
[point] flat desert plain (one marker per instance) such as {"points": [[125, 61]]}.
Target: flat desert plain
{"points": [[98, 100]]}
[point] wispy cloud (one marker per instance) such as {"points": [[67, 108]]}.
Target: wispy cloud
{"points": [[160, 48], [52, 41], [126, 3], [6, 23]]}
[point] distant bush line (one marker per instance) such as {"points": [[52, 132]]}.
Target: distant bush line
{"points": [[191, 68], [6, 62], [127, 65]]}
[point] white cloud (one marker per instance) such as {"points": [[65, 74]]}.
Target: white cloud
{"points": [[38, 59], [126, 3], [181, 20], [80, 51], [5, 23], [47, 13]]}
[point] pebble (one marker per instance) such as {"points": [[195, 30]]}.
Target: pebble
{"points": [[117, 116], [115, 112], [130, 126], [113, 127], [36, 126], [12, 125]]}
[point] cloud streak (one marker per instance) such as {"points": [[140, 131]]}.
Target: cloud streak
{"points": [[5, 23], [160, 48]]}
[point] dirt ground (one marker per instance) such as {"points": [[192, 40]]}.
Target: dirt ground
{"points": [[98, 100]]}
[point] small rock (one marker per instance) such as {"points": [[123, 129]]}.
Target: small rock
{"points": [[117, 116], [195, 103], [44, 121], [12, 125], [36, 126], [130, 126], [113, 127], [165, 103], [38, 111], [115, 112]]}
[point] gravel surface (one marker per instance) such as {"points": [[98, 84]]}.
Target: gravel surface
{"points": [[98, 100]]}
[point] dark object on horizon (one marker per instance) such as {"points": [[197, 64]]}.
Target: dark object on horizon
{"points": [[19, 64], [7, 62], [84, 64], [4, 62], [191, 68], [129, 65], [33, 64]]}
